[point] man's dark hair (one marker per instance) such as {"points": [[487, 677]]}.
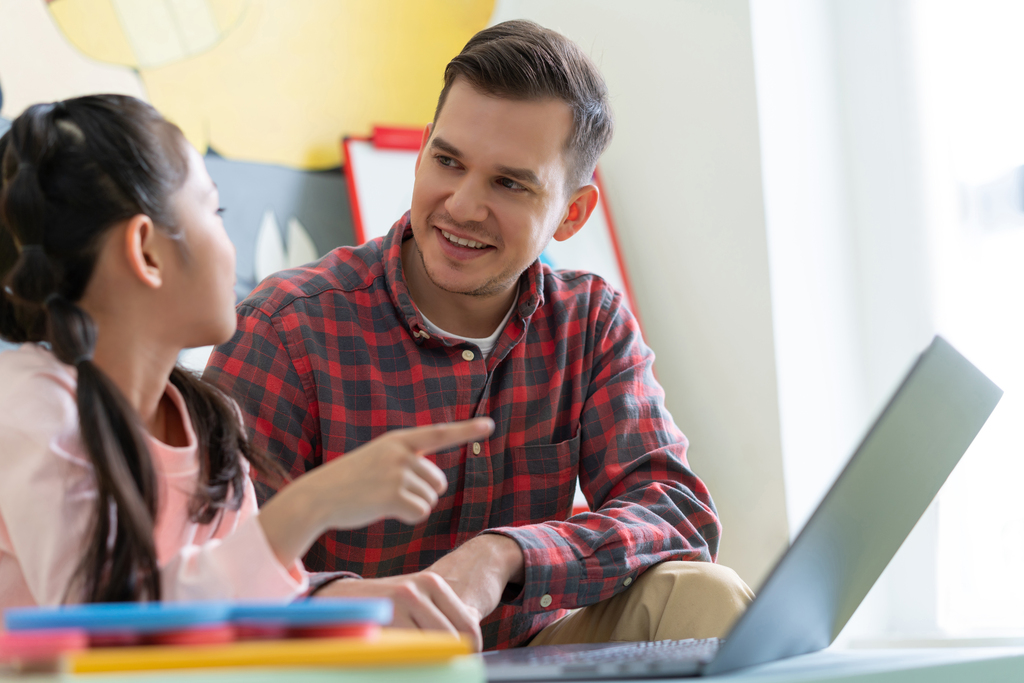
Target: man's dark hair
{"points": [[522, 60]]}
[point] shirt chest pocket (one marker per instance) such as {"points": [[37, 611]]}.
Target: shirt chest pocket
{"points": [[544, 480]]}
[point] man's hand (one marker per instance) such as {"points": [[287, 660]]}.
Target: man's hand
{"points": [[479, 570], [422, 600], [454, 594]]}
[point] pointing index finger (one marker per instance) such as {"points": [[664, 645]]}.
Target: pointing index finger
{"points": [[437, 437]]}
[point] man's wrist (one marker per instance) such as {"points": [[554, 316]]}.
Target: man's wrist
{"points": [[508, 555]]}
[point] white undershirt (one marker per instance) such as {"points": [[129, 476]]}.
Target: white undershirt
{"points": [[486, 344]]}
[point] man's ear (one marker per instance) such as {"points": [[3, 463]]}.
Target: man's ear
{"points": [[423, 145], [141, 252], [580, 207]]}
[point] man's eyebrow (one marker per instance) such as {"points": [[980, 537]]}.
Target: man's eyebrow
{"points": [[445, 146], [523, 175]]}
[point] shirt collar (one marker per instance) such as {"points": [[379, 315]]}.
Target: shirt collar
{"points": [[531, 291]]}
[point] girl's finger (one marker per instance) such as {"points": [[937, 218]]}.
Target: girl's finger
{"points": [[421, 489], [438, 437], [431, 474], [412, 509]]}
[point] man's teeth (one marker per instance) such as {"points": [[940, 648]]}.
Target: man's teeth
{"points": [[462, 241]]}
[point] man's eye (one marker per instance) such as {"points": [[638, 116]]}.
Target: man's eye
{"points": [[510, 184], [445, 161]]}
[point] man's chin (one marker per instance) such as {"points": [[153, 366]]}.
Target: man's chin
{"points": [[465, 286]]}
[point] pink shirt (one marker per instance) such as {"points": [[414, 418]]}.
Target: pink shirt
{"points": [[47, 493]]}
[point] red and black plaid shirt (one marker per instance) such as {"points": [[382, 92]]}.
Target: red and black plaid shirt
{"points": [[333, 354]]}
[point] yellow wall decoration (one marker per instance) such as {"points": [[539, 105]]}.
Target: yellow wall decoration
{"points": [[279, 81]]}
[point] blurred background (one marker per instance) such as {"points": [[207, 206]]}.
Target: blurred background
{"points": [[805, 191]]}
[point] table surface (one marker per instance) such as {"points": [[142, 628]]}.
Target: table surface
{"points": [[934, 665], [925, 665]]}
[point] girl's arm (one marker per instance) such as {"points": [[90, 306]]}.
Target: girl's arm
{"points": [[388, 477], [258, 555]]}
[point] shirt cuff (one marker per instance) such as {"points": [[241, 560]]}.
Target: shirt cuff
{"points": [[551, 569], [254, 570], [318, 580]]}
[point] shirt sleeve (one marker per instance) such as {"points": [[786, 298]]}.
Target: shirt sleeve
{"points": [[647, 505], [47, 490], [256, 370], [238, 566], [235, 561]]}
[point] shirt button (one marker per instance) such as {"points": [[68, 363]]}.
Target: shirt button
{"points": [[424, 334], [629, 580], [468, 355], [476, 449], [545, 601]]}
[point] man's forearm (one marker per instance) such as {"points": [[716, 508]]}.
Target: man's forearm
{"points": [[479, 570]]}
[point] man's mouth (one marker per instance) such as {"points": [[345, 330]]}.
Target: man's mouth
{"points": [[462, 241]]}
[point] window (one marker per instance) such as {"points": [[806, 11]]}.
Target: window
{"points": [[971, 61]]}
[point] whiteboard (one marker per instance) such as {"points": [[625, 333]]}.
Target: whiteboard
{"points": [[380, 184]]}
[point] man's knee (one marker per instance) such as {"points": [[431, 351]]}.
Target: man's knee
{"points": [[670, 601], [692, 582], [685, 600]]}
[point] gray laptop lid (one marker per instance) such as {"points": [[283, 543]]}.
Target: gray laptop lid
{"points": [[867, 514]]}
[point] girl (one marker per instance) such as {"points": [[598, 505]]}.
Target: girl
{"points": [[123, 477]]}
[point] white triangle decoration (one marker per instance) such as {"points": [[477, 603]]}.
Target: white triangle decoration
{"points": [[301, 249], [270, 254]]}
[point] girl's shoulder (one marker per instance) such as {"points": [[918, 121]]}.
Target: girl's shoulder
{"points": [[33, 367], [37, 391]]}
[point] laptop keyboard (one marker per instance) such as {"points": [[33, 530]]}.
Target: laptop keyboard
{"points": [[612, 660], [657, 651]]}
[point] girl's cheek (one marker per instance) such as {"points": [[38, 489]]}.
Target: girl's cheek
{"points": [[227, 251]]}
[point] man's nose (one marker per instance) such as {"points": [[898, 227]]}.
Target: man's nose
{"points": [[467, 203]]}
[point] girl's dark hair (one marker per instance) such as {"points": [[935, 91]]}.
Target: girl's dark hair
{"points": [[69, 172]]}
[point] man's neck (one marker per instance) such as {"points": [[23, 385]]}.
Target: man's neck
{"points": [[473, 317]]}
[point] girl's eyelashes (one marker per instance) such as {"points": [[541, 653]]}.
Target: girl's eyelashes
{"points": [[221, 210]]}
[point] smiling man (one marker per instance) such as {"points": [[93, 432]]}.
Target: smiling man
{"points": [[452, 315]]}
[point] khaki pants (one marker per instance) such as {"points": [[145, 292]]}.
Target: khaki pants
{"points": [[670, 601]]}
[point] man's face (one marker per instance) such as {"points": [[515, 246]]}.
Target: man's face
{"points": [[490, 189]]}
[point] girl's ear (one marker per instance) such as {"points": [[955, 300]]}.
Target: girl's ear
{"points": [[141, 250]]}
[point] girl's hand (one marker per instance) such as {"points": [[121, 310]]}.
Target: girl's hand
{"points": [[388, 477]]}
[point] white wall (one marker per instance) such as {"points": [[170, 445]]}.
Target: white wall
{"points": [[815, 302], [683, 177]]}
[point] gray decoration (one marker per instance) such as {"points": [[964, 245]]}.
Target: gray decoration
{"points": [[318, 199]]}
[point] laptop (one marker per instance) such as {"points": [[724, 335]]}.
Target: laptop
{"points": [[820, 581]]}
